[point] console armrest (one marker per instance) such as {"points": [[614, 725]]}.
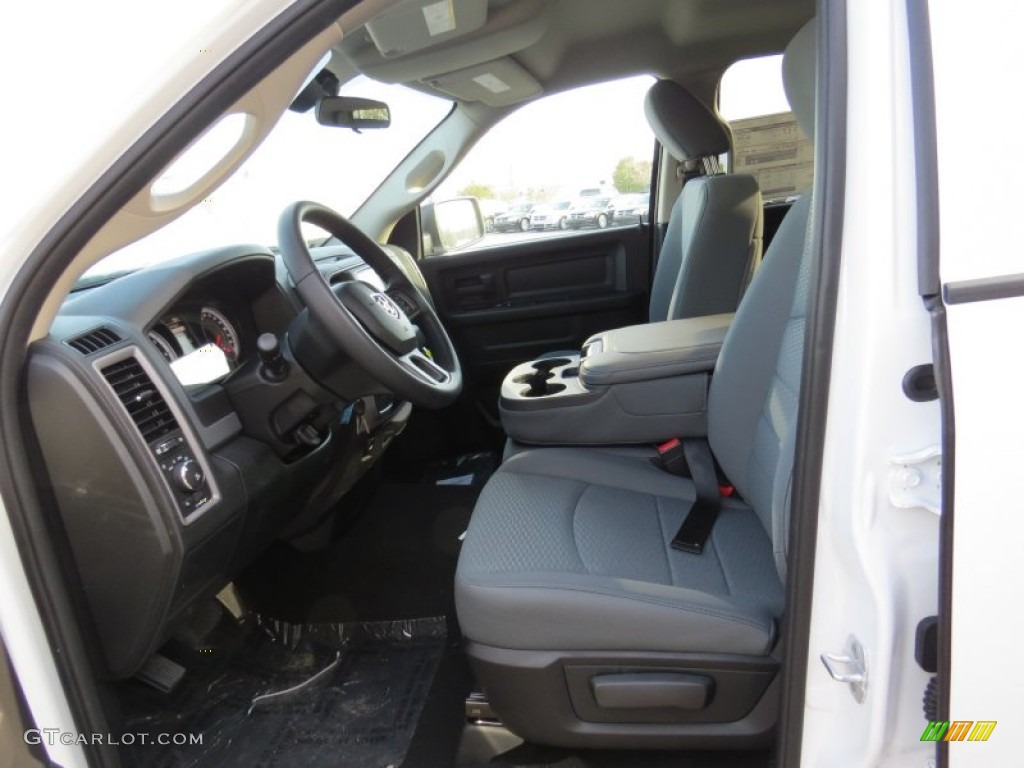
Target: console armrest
{"points": [[653, 351], [641, 384]]}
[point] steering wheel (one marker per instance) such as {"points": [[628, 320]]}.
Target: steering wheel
{"points": [[394, 335]]}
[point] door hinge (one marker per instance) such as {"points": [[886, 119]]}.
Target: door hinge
{"points": [[849, 667], [915, 480]]}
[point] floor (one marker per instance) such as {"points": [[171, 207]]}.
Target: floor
{"points": [[263, 692], [397, 561]]}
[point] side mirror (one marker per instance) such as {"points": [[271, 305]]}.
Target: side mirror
{"points": [[451, 224], [350, 112]]}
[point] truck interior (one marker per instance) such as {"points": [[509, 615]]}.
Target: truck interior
{"points": [[359, 500]]}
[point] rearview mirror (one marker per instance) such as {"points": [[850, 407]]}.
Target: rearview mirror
{"points": [[350, 112], [451, 224]]}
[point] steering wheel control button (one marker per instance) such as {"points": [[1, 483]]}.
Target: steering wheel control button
{"points": [[273, 365]]}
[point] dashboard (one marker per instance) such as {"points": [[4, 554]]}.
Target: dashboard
{"points": [[166, 439]]}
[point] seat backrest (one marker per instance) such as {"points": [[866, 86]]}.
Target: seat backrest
{"points": [[713, 242], [755, 389]]}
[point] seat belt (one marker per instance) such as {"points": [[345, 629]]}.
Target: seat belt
{"points": [[677, 456]]}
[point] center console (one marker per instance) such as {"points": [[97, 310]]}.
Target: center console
{"points": [[639, 384]]}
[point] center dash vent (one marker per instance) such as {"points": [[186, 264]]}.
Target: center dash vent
{"points": [[140, 398], [94, 341]]}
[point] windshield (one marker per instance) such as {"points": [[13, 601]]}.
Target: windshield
{"points": [[299, 160]]}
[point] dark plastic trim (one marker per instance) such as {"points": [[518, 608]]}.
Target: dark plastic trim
{"points": [[919, 384], [826, 246], [639, 690], [983, 288], [944, 382], [926, 168], [238, 73], [549, 697], [655, 234], [922, 86]]}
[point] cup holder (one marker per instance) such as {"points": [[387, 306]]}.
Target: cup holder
{"points": [[542, 388], [539, 384], [541, 378], [546, 366]]}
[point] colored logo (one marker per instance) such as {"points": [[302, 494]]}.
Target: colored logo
{"points": [[958, 730]]}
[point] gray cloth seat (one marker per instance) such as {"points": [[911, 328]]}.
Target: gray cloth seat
{"points": [[575, 544], [713, 242], [567, 574], [712, 245], [570, 547]]}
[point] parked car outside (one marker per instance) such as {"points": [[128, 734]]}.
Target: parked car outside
{"points": [[552, 216], [633, 208], [592, 212], [490, 210], [514, 219]]}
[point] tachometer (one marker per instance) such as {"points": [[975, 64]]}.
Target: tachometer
{"points": [[219, 331]]}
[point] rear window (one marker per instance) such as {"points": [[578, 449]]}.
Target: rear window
{"points": [[767, 142]]}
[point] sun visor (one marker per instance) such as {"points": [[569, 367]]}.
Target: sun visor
{"points": [[497, 83], [417, 24]]}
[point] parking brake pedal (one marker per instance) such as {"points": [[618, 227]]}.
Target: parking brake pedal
{"points": [[161, 673]]}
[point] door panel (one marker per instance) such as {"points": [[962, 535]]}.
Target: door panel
{"points": [[509, 303]]}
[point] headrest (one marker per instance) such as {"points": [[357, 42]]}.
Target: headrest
{"points": [[799, 76], [683, 124]]}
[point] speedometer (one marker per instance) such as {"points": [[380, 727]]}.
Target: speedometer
{"points": [[219, 331]]}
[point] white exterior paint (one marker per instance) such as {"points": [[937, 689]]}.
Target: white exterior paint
{"points": [[876, 566], [979, 112]]}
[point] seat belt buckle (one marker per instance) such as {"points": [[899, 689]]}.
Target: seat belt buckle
{"points": [[672, 457]]}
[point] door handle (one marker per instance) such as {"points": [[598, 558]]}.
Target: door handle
{"points": [[475, 285]]}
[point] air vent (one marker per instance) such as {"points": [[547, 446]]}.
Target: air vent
{"points": [[140, 398], [94, 341]]}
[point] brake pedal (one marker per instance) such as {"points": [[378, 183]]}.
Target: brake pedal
{"points": [[161, 673]]}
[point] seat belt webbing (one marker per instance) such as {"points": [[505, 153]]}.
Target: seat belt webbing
{"points": [[697, 526]]}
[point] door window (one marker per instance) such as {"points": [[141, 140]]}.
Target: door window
{"points": [[574, 161]]}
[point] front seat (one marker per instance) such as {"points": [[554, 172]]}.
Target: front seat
{"points": [[713, 242], [583, 625]]}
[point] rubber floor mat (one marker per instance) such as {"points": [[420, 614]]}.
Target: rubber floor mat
{"points": [[266, 693]]}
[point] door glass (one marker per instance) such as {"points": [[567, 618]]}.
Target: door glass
{"points": [[572, 162]]}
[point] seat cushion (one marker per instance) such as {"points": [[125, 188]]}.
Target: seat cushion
{"points": [[569, 549]]}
